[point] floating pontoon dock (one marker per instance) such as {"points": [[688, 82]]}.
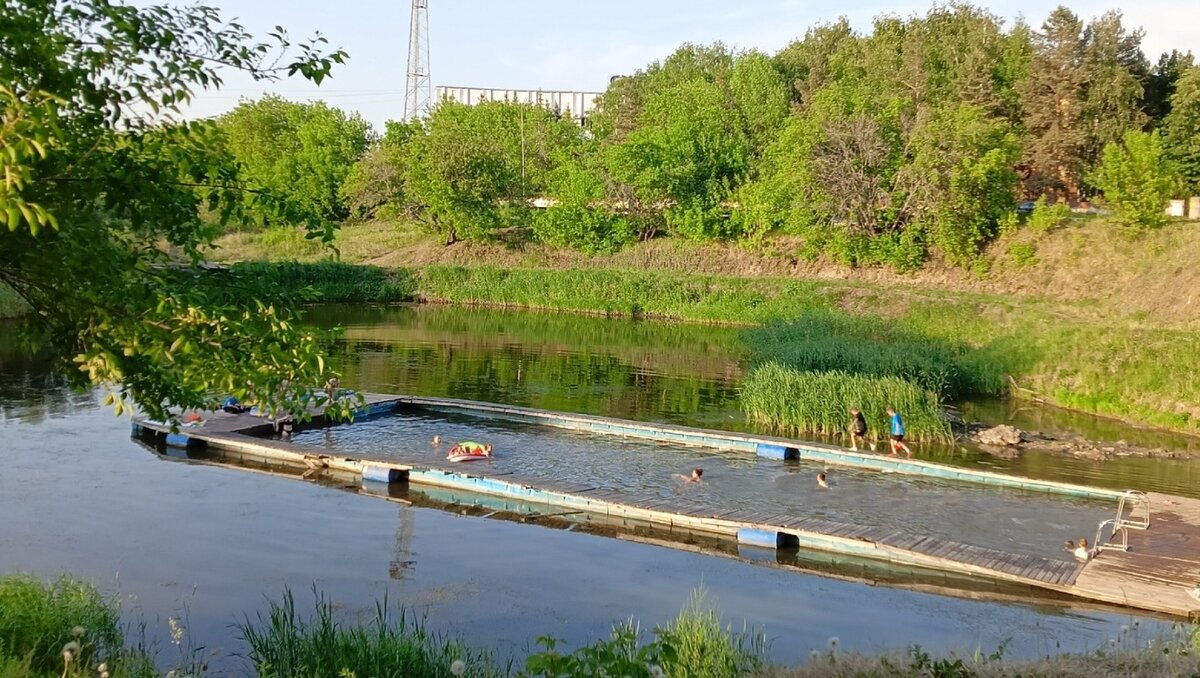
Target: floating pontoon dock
{"points": [[1150, 560]]}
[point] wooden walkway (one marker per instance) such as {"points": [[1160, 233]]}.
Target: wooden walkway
{"points": [[1157, 574], [1161, 568]]}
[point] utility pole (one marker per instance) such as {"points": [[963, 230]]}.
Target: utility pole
{"points": [[418, 90]]}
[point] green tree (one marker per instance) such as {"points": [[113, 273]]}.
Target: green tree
{"points": [[1052, 105], [821, 57], [99, 174], [375, 184], [1182, 127], [301, 151], [678, 138], [581, 216], [1115, 68], [1083, 91], [471, 170], [1137, 179], [1159, 84], [907, 142]]}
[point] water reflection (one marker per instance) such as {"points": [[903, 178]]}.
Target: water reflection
{"points": [[669, 372], [1021, 522]]}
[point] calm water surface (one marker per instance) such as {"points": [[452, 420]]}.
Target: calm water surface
{"points": [[1034, 523], [669, 372], [208, 544]]}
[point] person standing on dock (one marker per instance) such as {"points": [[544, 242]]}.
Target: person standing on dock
{"points": [[858, 429], [897, 440]]}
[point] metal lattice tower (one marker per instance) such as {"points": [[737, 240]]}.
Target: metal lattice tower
{"points": [[418, 91]]}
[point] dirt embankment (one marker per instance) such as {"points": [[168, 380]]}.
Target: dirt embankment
{"points": [[1092, 265]]}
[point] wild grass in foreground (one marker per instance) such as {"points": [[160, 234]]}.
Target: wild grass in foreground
{"points": [[1129, 656], [798, 401], [285, 645], [695, 644], [63, 628]]}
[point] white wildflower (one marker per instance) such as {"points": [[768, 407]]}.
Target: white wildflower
{"points": [[78, 632], [814, 656], [656, 671], [833, 643], [458, 667], [176, 630]]}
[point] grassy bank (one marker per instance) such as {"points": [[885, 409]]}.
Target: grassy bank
{"points": [[40, 622], [949, 343]]}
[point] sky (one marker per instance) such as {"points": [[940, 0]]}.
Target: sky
{"points": [[579, 45]]}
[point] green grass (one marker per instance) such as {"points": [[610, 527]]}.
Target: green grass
{"points": [[648, 294], [953, 344], [325, 281], [38, 619], [285, 645], [873, 346], [799, 401]]}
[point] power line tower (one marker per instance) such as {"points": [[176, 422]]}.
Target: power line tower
{"points": [[418, 91]]}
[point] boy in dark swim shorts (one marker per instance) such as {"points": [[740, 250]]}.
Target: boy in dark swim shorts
{"points": [[858, 429]]}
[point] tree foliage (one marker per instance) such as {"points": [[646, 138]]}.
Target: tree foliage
{"points": [[912, 140], [901, 140], [471, 169], [1083, 91], [374, 185], [1137, 179], [302, 152], [99, 172], [1182, 128]]}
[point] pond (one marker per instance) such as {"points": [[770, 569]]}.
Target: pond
{"points": [[678, 373], [1022, 522], [207, 544]]}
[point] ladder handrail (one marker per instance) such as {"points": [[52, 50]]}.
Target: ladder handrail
{"points": [[1133, 499], [1120, 524]]}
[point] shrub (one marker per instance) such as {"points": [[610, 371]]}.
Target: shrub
{"points": [[694, 645], [1136, 179], [1045, 217], [1023, 254], [326, 281]]}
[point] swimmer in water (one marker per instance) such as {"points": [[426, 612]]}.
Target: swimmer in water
{"points": [[822, 482], [694, 478], [437, 440], [1081, 552]]}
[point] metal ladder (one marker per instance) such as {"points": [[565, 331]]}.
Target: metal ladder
{"points": [[1121, 524]]}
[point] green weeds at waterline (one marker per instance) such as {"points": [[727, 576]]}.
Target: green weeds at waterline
{"points": [[41, 622], [283, 644], [1120, 369], [35, 616], [819, 402]]}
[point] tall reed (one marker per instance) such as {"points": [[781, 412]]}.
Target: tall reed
{"points": [[798, 401]]}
